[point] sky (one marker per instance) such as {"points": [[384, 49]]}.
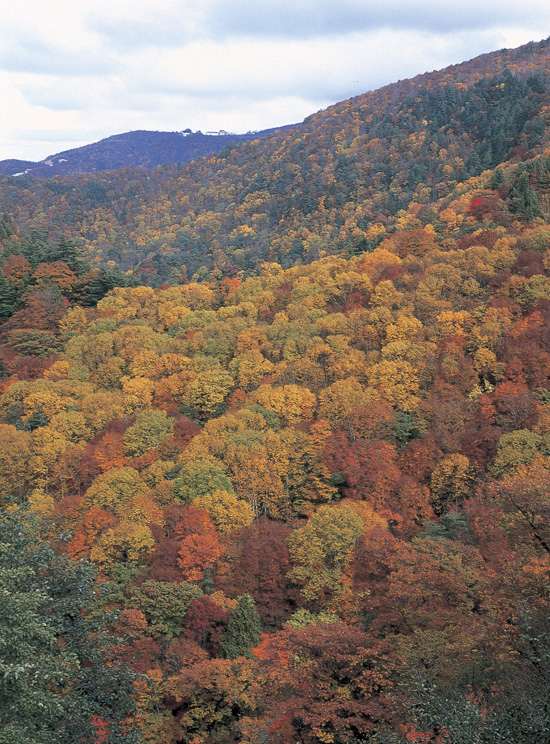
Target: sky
{"points": [[75, 71]]}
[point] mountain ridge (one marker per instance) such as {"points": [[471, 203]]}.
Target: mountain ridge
{"points": [[140, 147]]}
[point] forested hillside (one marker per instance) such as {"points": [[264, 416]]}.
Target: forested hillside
{"points": [[334, 183], [313, 471]]}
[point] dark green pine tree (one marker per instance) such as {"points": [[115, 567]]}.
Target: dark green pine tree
{"points": [[243, 631], [67, 250], [542, 169], [6, 226], [523, 198], [473, 165], [497, 179], [103, 283], [8, 298]]}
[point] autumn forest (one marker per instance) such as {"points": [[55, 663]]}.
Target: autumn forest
{"points": [[275, 431]]}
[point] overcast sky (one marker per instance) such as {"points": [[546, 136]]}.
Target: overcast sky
{"points": [[75, 71]]}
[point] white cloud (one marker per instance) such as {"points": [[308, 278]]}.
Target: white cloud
{"points": [[172, 22], [69, 93], [316, 68], [76, 70], [311, 18]]}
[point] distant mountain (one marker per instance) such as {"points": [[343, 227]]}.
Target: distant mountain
{"points": [[141, 147]]}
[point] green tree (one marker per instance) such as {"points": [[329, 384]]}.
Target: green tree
{"points": [[244, 629], [323, 548], [517, 448], [148, 433], [523, 198], [199, 478], [55, 684], [164, 604], [206, 394], [8, 299]]}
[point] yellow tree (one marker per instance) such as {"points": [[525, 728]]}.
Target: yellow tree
{"points": [[255, 480], [15, 452], [341, 398], [101, 407], [115, 490], [397, 382], [48, 447], [148, 432], [291, 403], [72, 425], [322, 550], [207, 392], [295, 458], [227, 511], [127, 542], [73, 322], [44, 403], [139, 393], [452, 481], [250, 368]]}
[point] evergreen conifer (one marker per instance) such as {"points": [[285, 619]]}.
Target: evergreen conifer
{"points": [[243, 631]]}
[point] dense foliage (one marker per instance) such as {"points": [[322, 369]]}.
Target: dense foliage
{"points": [[56, 684], [317, 496], [334, 183]]}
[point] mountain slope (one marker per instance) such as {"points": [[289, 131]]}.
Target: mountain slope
{"points": [[335, 183], [141, 147], [361, 444], [353, 451]]}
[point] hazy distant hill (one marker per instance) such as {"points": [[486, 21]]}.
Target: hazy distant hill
{"points": [[129, 149]]}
